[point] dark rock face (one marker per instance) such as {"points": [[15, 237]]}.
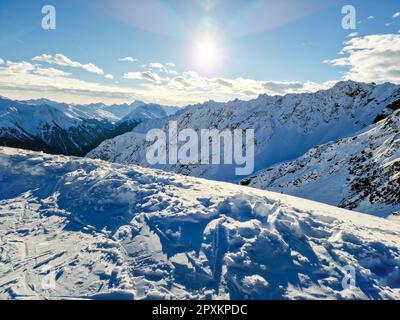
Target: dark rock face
{"points": [[75, 141], [391, 108], [370, 180]]}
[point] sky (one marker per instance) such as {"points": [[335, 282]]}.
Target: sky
{"points": [[180, 52]]}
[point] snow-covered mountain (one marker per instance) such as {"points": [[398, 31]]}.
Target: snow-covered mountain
{"points": [[360, 173], [97, 112], [141, 112], [121, 110], [82, 228], [285, 126], [133, 112], [68, 129], [116, 112]]}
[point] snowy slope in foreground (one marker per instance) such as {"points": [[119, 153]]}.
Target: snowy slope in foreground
{"points": [[114, 231], [360, 173]]}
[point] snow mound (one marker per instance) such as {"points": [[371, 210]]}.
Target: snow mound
{"points": [[108, 231]]}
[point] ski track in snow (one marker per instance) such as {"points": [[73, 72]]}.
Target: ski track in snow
{"points": [[109, 231]]}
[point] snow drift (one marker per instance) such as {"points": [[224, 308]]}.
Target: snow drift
{"points": [[124, 232]]}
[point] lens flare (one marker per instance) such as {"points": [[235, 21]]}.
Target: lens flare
{"points": [[207, 55]]}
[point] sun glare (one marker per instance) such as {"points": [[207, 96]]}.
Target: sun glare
{"points": [[207, 55]]}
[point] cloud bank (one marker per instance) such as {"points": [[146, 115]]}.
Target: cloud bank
{"points": [[373, 58], [61, 60]]}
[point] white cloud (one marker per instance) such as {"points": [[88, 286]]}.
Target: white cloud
{"points": [[373, 58], [128, 59], [389, 24], [20, 67], [61, 60], [143, 75], [1, 61], [352, 35], [191, 84], [109, 76], [172, 72], [281, 87], [156, 65], [50, 72], [167, 68], [24, 80], [371, 18], [396, 15]]}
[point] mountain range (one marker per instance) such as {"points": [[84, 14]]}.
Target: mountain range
{"points": [[59, 128], [285, 127]]}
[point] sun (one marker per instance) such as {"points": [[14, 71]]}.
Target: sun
{"points": [[207, 54]]}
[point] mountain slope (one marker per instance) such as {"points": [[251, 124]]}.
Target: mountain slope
{"points": [[360, 173], [285, 127], [102, 230]]}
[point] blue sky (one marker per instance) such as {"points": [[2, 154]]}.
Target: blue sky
{"points": [[186, 51]]}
